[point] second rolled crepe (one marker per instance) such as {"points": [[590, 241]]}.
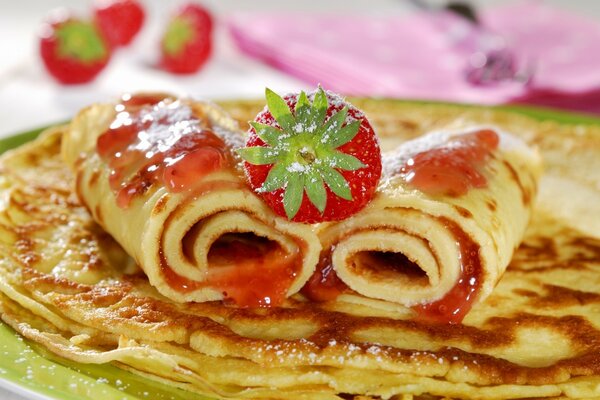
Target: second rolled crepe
{"points": [[160, 176], [450, 210]]}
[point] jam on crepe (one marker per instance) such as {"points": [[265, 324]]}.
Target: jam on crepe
{"points": [[455, 304], [324, 284], [453, 168], [250, 271], [252, 274], [155, 138]]}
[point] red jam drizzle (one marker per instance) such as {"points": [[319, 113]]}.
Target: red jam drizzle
{"points": [[455, 305], [324, 284], [249, 273], [454, 168], [156, 139], [131, 101]]}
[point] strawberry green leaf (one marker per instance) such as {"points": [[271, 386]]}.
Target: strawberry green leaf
{"points": [[344, 135], [292, 198], [259, 155], [302, 110], [336, 183], [302, 100], [267, 133], [319, 107], [276, 178], [315, 190], [348, 162], [280, 111], [332, 127]]}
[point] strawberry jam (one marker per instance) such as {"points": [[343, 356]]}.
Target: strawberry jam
{"points": [[453, 307], [324, 284], [130, 101], [250, 272], [454, 168], [156, 139]]}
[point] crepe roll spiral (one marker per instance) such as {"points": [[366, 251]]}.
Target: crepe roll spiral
{"points": [[450, 210], [160, 175]]}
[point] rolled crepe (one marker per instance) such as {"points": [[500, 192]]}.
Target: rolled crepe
{"points": [[450, 210], [160, 176]]}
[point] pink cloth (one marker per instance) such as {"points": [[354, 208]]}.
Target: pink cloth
{"points": [[417, 56]]}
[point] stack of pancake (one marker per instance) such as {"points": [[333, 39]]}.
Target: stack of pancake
{"points": [[68, 285]]}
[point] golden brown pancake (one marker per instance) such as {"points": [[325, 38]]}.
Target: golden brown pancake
{"points": [[67, 285]]}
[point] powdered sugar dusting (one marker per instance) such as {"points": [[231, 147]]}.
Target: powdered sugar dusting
{"points": [[341, 353], [297, 167], [166, 123], [224, 126]]}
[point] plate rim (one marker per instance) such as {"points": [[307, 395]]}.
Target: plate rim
{"points": [[23, 391]]}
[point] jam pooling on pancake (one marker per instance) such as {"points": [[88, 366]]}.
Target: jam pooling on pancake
{"points": [[324, 284], [453, 168], [255, 273], [255, 282], [248, 274], [154, 138]]}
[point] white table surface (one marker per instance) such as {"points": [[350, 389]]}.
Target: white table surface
{"points": [[29, 98]]}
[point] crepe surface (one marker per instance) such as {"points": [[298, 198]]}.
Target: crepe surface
{"points": [[439, 244], [67, 285], [178, 204]]}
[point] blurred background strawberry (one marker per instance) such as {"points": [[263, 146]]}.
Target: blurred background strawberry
{"points": [[187, 42], [119, 20], [73, 50]]}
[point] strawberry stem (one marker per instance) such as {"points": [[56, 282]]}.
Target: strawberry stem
{"points": [[308, 155], [80, 40], [179, 33]]}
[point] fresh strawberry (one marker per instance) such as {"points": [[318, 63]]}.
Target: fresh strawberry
{"points": [[312, 158], [187, 42], [73, 50], [119, 20]]}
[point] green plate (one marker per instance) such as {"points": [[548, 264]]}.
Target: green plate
{"points": [[30, 370]]}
